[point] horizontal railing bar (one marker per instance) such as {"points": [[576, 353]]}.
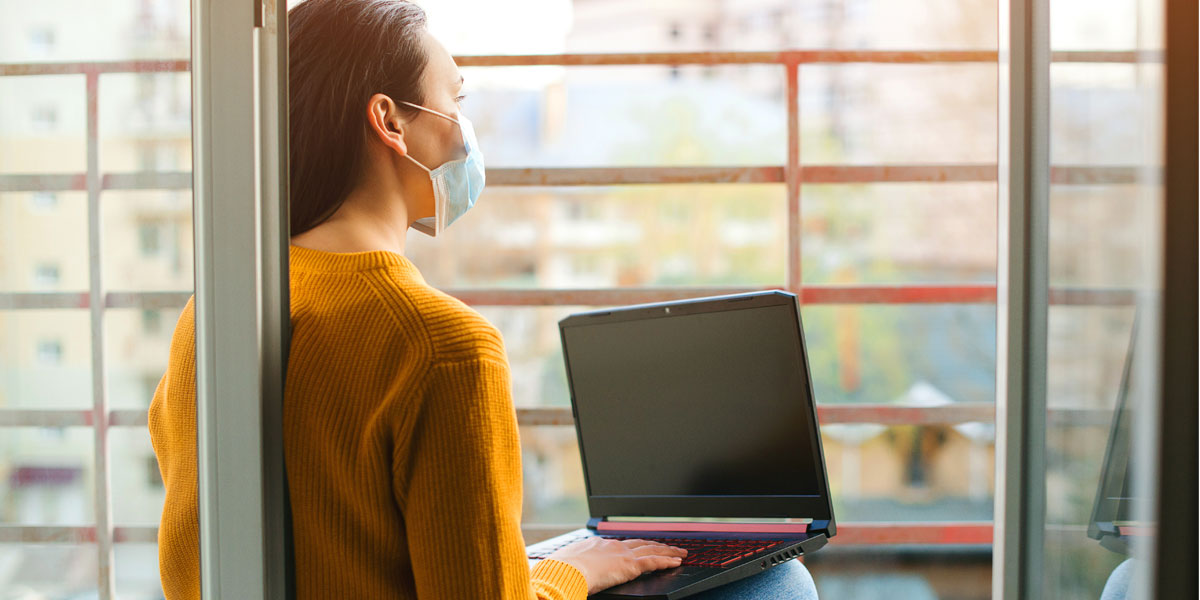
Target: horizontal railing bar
{"points": [[879, 414], [47, 534], [897, 294], [43, 300], [827, 414], [789, 57], [596, 176], [542, 417], [925, 533], [128, 417], [20, 417], [579, 176], [887, 414], [100, 67], [810, 294], [77, 182], [930, 533], [164, 180], [79, 300], [826, 56], [74, 534], [730, 58], [147, 300]]}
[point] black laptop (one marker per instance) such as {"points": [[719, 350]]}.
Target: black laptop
{"points": [[697, 428], [1112, 522]]}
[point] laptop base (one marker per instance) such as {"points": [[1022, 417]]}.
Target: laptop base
{"points": [[684, 581]]}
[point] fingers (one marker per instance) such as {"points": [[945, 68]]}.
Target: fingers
{"points": [[659, 550], [655, 562], [638, 544]]}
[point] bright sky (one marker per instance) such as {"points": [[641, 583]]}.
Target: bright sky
{"points": [[495, 27]]}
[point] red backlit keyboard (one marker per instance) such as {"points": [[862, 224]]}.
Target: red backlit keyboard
{"points": [[701, 552]]}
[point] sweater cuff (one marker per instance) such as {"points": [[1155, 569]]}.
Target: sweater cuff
{"points": [[563, 577]]}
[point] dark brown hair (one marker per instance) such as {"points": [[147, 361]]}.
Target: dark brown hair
{"points": [[340, 53]]}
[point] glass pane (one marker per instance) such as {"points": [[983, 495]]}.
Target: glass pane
{"points": [[633, 26], [125, 65], [145, 122], [135, 473], [43, 123], [49, 476], [137, 572], [553, 475], [48, 253], [931, 354], [899, 233], [959, 573], [48, 570], [628, 116], [138, 345], [898, 114], [1103, 236], [148, 240], [626, 236], [45, 359]]}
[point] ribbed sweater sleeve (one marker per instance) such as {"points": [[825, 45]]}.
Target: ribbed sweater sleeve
{"points": [[458, 483]]}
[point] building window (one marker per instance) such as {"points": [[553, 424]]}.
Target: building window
{"points": [[46, 275], [153, 475], [49, 352], [44, 117], [43, 201], [151, 321], [41, 42], [150, 238]]}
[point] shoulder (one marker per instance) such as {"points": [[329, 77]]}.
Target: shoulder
{"points": [[453, 331]]}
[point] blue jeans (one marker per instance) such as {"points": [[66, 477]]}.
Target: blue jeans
{"points": [[789, 581], [1117, 586]]}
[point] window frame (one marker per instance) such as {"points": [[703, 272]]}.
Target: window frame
{"points": [[97, 299]]}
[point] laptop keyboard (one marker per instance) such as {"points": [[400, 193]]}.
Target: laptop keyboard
{"points": [[701, 552]]}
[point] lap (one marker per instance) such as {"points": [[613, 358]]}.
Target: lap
{"points": [[790, 580]]}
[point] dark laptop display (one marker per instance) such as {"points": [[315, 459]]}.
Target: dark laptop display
{"points": [[708, 404], [697, 427], [1111, 521]]}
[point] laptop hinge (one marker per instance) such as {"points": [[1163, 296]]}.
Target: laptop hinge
{"points": [[823, 526], [594, 522]]}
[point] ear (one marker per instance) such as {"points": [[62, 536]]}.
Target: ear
{"points": [[386, 124]]}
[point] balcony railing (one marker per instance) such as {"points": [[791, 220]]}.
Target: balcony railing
{"points": [[794, 174]]}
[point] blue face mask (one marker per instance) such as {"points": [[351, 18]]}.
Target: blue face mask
{"points": [[456, 184]]}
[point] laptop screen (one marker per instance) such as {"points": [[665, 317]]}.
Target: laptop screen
{"points": [[700, 404]]}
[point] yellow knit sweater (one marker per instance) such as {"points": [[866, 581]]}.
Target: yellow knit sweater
{"points": [[400, 437]]}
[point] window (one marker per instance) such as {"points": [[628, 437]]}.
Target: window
{"points": [[150, 239], [46, 276], [41, 41], [43, 201], [151, 322], [44, 117], [49, 352], [669, 178]]}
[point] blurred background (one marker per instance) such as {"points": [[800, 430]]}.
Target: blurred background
{"points": [[926, 483]]}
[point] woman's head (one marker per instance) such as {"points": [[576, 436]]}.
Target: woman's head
{"points": [[352, 66]]}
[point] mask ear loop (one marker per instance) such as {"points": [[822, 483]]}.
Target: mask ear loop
{"points": [[431, 111]]}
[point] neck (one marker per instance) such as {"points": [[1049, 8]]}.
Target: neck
{"points": [[374, 216]]}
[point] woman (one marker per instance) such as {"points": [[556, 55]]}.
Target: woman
{"points": [[400, 434]]}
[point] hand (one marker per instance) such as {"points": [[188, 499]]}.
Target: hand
{"points": [[605, 562]]}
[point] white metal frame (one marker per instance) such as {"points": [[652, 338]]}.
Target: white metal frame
{"points": [[239, 388], [1022, 299]]}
